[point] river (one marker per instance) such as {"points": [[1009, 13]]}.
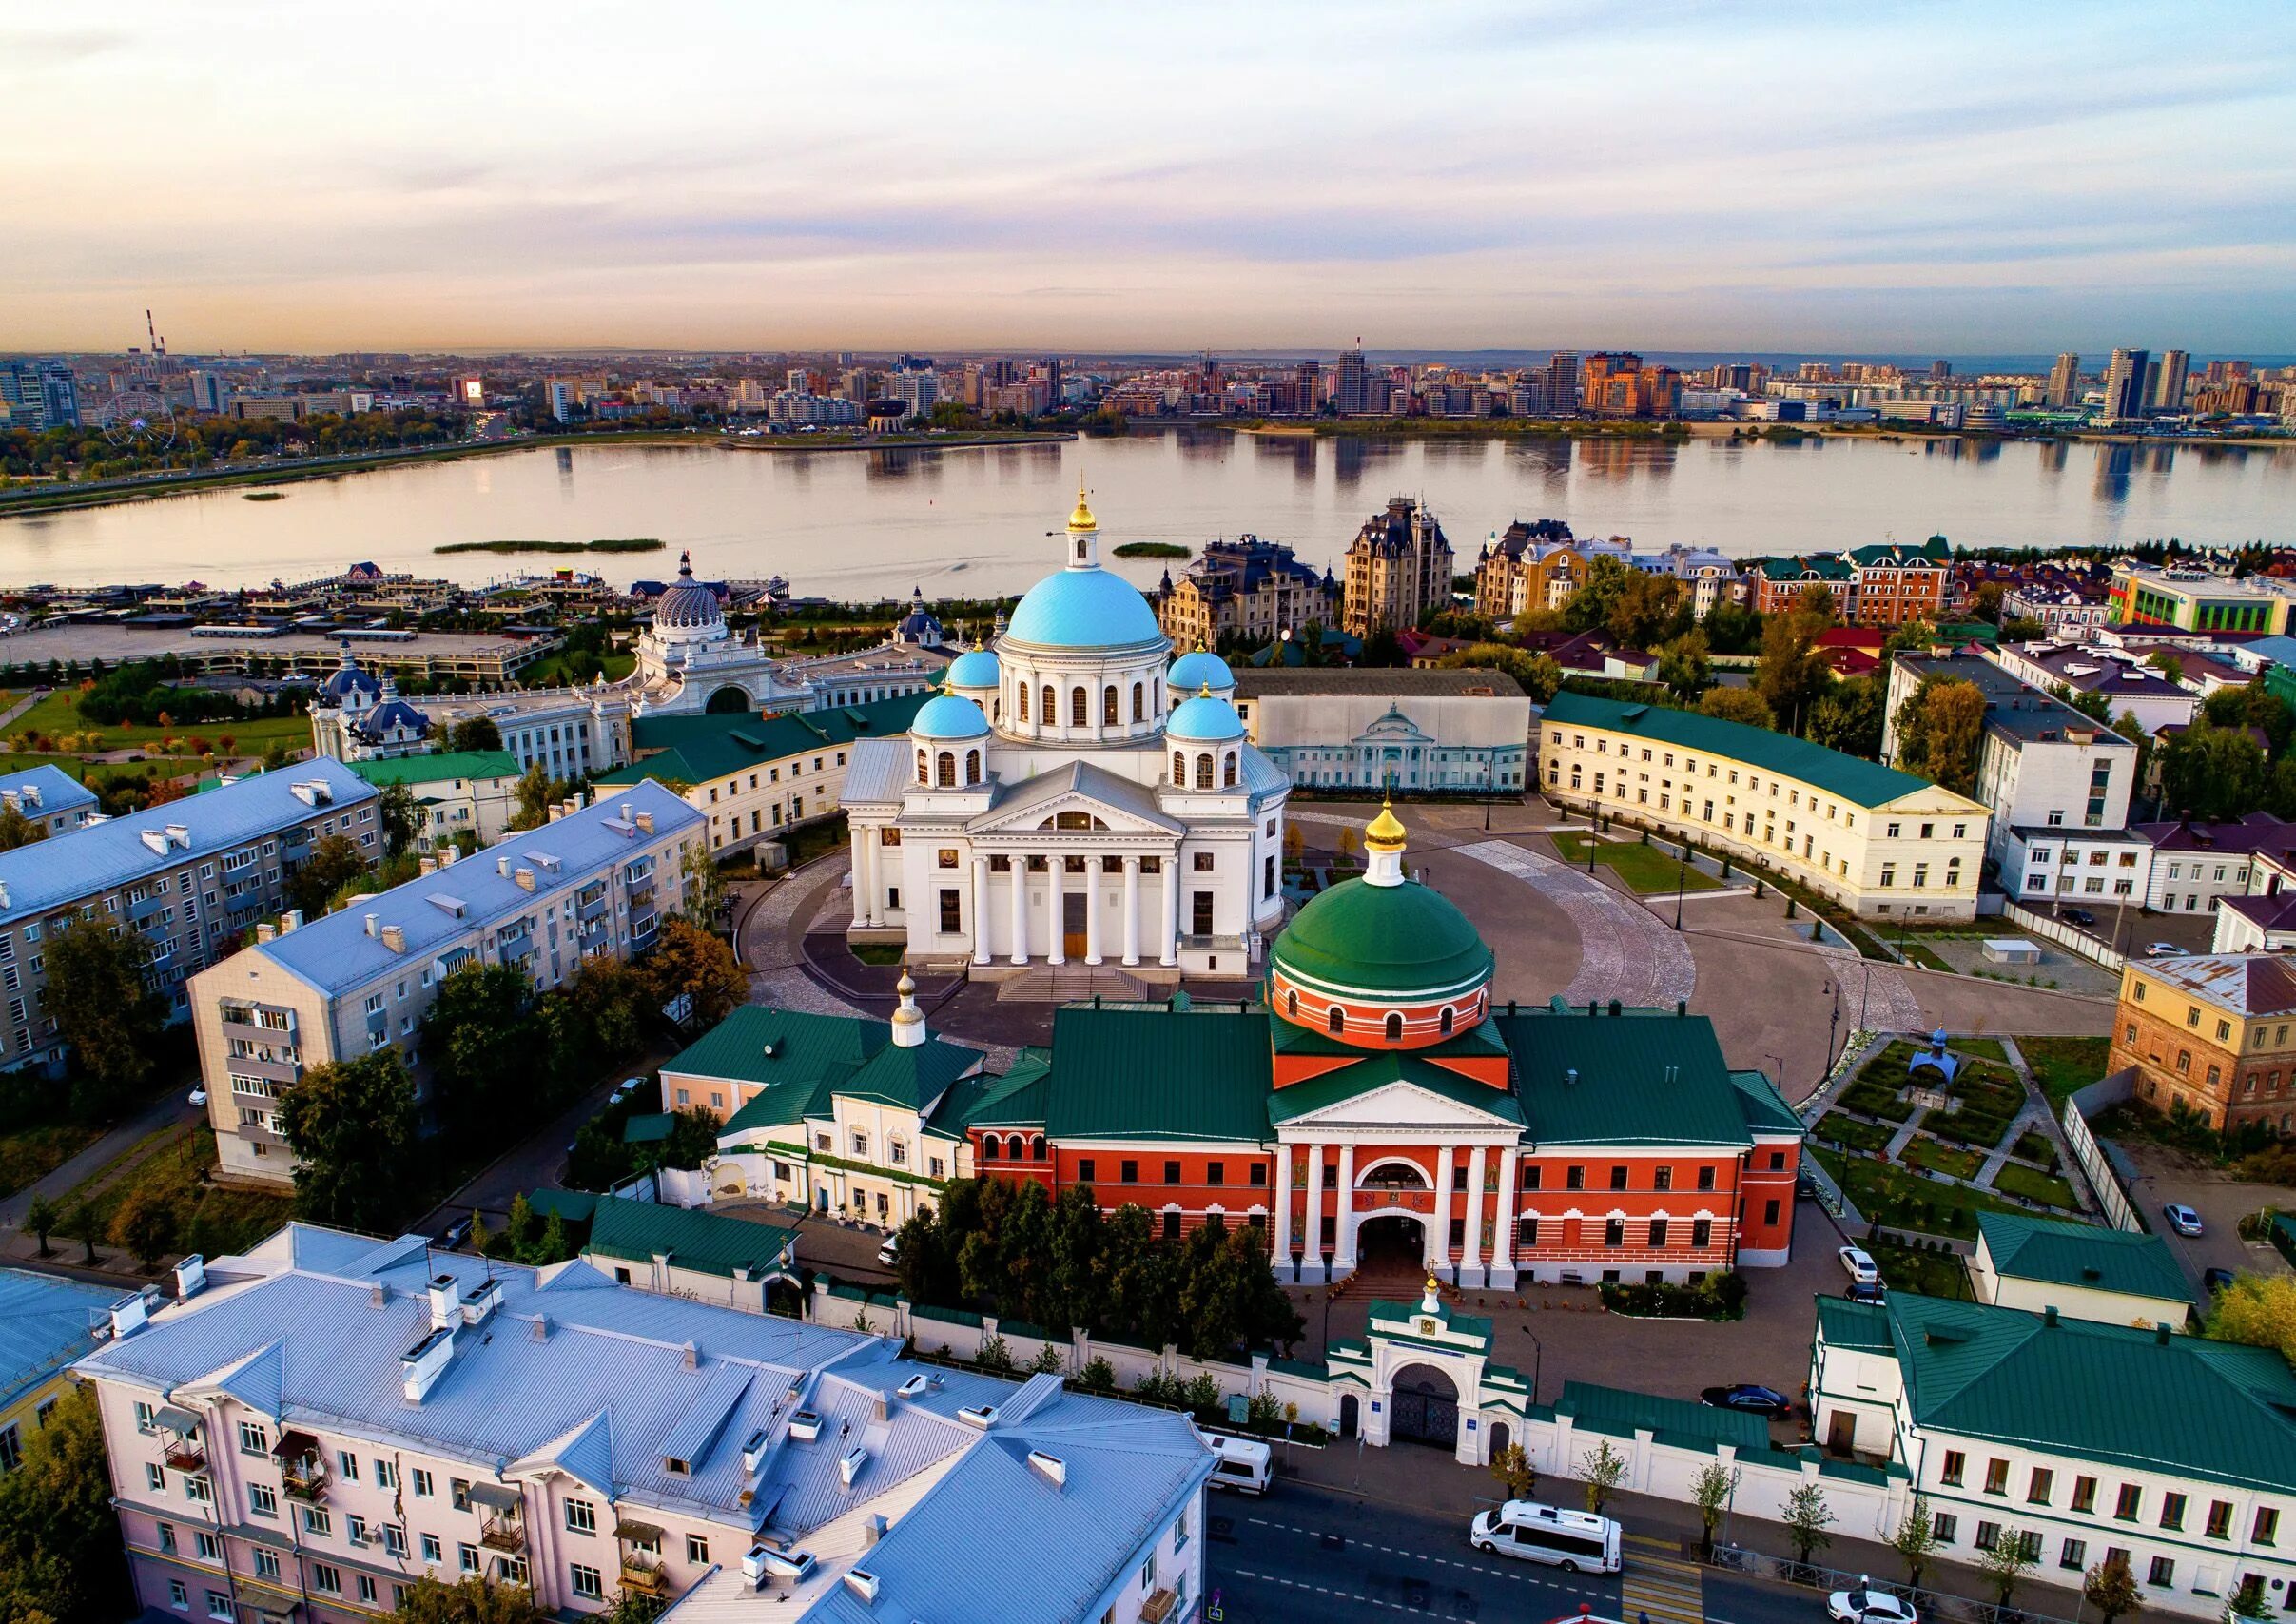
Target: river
{"points": [[973, 522]]}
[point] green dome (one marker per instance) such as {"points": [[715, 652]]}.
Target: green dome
{"points": [[1393, 940]]}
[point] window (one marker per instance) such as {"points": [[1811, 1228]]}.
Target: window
{"points": [[1705, 1178], [582, 1517], [2074, 1554], [1997, 1476], [319, 1522], [1701, 1233], [1658, 1232], [2172, 1510], [1614, 1232], [348, 1464], [2163, 1572], [253, 1440], [266, 1563], [178, 1598], [697, 1551], [2220, 1520], [366, 1589], [2039, 1486], [1989, 1535], [2130, 1498], [219, 1605], [210, 1546], [394, 1539], [468, 1555], [432, 1550], [11, 1449], [1663, 1179], [154, 1478], [1955, 1462], [1128, 1172], [422, 1483], [263, 1499], [2084, 1494], [587, 1584], [1945, 1527], [1574, 1177], [2267, 1525], [1087, 1170]]}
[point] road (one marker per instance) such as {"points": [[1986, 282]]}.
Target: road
{"points": [[1309, 1553]]}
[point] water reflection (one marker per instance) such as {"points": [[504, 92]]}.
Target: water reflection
{"points": [[565, 458], [2113, 463], [2052, 457]]}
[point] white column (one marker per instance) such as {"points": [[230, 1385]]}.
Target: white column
{"points": [[980, 910], [1281, 1185], [1056, 915], [1132, 914], [1314, 1263], [1171, 911], [1092, 909], [1470, 1264], [1439, 1232], [1502, 1224], [1343, 1257], [865, 842], [1019, 877]]}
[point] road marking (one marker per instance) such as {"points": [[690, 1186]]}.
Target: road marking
{"points": [[1659, 1584], [1492, 1568]]}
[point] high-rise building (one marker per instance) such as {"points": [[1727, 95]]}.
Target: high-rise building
{"points": [[2125, 383], [562, 398], [1398, 567], [1562, 381], [211, 393], [2169, 386], [1940, 370], [40, 394], [1308, 382], [2064, 380], [1352, 387]]}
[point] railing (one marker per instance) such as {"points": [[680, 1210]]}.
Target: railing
{"points": [[503, 1531], [644, 1576], [1931, 1604], [184, 1454], [304, 1479]]}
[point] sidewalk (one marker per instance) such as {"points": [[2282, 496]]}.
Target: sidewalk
{"points": [[168, 1110]]}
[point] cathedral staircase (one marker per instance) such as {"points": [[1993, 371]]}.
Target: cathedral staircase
{"points": [[1073, 984]]}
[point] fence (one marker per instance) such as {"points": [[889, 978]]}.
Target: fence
{"points": [[2103, 1177], [2065, 935], [1928, 1603]]}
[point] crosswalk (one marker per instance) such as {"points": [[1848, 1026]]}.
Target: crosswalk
{"points": [[1657, 1585]]}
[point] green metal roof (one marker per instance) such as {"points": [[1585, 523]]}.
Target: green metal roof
{"points": [[1406, 938], [1764, 1107], [1860, 783], [2082, 1254], [799, 1060], [698, 750], [1015, 1100], [1861, 1326], [2113, 1394], [1148, 1070], [639, 1231], [1614, 1409], [576, 1206], [1379, 1069], [432, 768], [1645, 1076]]}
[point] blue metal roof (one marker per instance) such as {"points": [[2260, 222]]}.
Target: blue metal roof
{"points": [[57, 789], [975, 668], [336, 952], [1212, 720], [46, 1322], [81, 862], [1200, 669], [1084, 609], [947, 716]]}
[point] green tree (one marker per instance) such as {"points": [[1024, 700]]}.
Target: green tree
{"points": [[17, 829], [1711, 1491], [86, 1226], [1733, 628], [334, 862], [1538, 673], [473, 1601], [1601, 1469], [146, 1225], [1849, 719], [692, 1139], [1518, 1479], [2008, 1559], [1792, 672], [2210, 773], [689, 961], [473, 733], [401, 816], [702, 884], [352, 1126], [536, 793], [1913, 636], [2259, 1310], [1599, 594], [60, 1553], [2112, 1589], [486, 1048], [1736, 705], [1916, 1539], [102, 1004], [601, 1014], [1683, 667], [1806, 1519], [43, 1218], [1647, 609], [1939, 728]]}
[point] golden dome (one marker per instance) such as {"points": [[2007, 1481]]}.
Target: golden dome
{"points": [[1386, 832], [1082, 519]]}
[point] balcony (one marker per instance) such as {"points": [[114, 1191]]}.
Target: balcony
{"points": [[505, 1531], [184, 1454], [644, 1574], [302, 1466], [1160, 1606]]}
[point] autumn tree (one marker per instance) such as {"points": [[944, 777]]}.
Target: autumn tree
{"points": [[1939, 728], [1518, 1479], [687, 961], [17, 829], [334, 862], [102, 1004], [2112, 1589], [60, 1554], [1792, 672], [1736, 705], [2259, 1310]]}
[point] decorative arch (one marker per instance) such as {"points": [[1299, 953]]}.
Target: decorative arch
{"points": [[1417, 1179], [1447, 1020], [1336, 1019], [1108, 712], [944, 770], [925, 768], [1291, 1003], [1228, 770], [1036, 1147], [1140, 703], [972, 775], [731, 701], [1080, 708], [1052, 706], [1203, 771], [1394, 1026], [992, 1147]]}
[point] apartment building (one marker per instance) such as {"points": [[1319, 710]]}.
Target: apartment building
{"points": [[50, 798], [1778, 586], [459, 792], [2121, 676], [1398, 567], [755, 778], [1441, 729], [2075, 610], [2201, 600], [325, 1420], [1536, 564], [2196, 863], [594, 881], [1882, 585], [1245, 588], [2109, 1276], [191, 876], [2085, 1441], [2210, 1033], [46, 1322], [1881, 843]]}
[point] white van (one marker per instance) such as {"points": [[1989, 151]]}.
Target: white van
{"points": [[1245, 1463], [1575, 1541]]}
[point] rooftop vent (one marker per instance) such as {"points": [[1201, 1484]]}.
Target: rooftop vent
{"points": [[481, 1301], [128, 1316], [863, 1583], [914, 1387], [1050, 1467], [763, 1564], [421, 1365], [753, 1452], [850, 1463], [191, 1277], [443, 1308], [981, 1416], [805, 1425]]}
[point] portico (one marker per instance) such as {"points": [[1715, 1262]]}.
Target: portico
{"points": [[1452, 1178]]}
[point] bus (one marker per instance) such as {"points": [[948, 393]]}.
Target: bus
{"points": [[1245, 1463], [1576, 1541]]}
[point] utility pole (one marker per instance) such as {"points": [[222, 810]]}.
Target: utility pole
{"points": [[1681, 881]]}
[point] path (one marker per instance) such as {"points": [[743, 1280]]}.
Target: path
{"points": [[773, 934], [168, 1110], [1627, 953]]}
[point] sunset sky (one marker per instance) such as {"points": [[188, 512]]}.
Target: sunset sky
{"points": [[1951, 178]]}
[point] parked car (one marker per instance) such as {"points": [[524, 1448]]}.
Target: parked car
{"points": [[199, 1096], [2183, 1219], [1752, 1397], [1860, 1265], [2164, 950], [2075, 916], [1866, 1605], [455, 1234], [1867, 1291], [2214, 1281]]}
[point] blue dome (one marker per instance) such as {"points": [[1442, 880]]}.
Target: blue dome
{"points": [[346, 680], [976, 669], [944, 715], [1200, 669], [1084, 609], [1211, 721]]}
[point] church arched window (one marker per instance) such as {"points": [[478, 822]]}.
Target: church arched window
{"points": [[1052, 706], [1228, 770], [945, 770], [1447, 1020], [1025, 702], [924, 770], [1394, 1026], [972, 767], [1336, 1019], [1292, 1003], [1080, 708], [1203, 771], [1108, 716], [1140, 703], [1180, 770]]}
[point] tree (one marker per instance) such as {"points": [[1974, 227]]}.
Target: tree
{"points": [[2211, 773], [1736, 705], [17, 829], [473, 1601], [1916, 1539], [1806, 1518], [1601, 592], [102, 1005], [43, 1218], [334, 862], [1538, 673], [688, 961], [1646, 609], [2112, 1589], [2008, 1559], [1792, 672], [60, 1553], [692, 1139], [401, 817], [704, 887], [146, 1225], [2259, 1310], [536, 793], [1939, 728], [83, 1224], [1849, 719], [1601, 1469], [1733, 628], [473, 733], [601, 1014], [1711, 1491], [1682, 665], [352, 1126], [1518, 1479], [486, 1049]]}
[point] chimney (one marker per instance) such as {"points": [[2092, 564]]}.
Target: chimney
{"points": [[850, 1463], [1570, 1077], [526, 879], [861, 1583], [393, 937], [693, 1356], [557, 812], [1050, 1467], [503, 863], [753, 1452], [645, 822], [290, 920], [537, 1329], [428, 865], [872, 1531], [379, 1296], [2049, 1315], [128, 1316], [266, 932], [481, 1301], [443, 1311], [190, 1276], [425, 1362], [447, 855], [2160, 1333], [372, 920]]}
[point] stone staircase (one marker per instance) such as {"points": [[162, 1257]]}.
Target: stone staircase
{"points": [[1073, 984]]}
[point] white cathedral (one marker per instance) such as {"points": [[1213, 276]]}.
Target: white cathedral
{"points": [[1071, 798]]}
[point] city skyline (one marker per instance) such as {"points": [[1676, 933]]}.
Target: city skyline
{"points": [[1959, 181]]}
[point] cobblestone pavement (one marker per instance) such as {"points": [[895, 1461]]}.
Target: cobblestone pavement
{"points": [[1625, 951], [1876, 996], [772, 934]]}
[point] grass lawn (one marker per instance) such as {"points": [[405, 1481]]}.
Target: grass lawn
{"points": [[2034, 1146], [1899, 1199], [2047, 1188], [1846, 1130], [208, 1219], [878, 952], [1944, 1159], [59, 713], [551, 671], [30, 1153], [1646, 869], [1921, 958], [1876, 1101], [1984, 1048], [1932, 1274], [2064, 1066]]}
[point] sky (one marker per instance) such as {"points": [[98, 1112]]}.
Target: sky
{"points": [[1946, 178]]}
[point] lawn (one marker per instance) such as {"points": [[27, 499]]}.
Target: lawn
{"points": [[2047, 1188], [2034, 1146], [549, 671], [208, 1218], [1873, 1100], [1646, 869], [1936, 1158], [1984, 1048], [2064, 1066], [59, 714], [29, 1153], [1845, 1129], [1911, 1268], [1899, 1199]]}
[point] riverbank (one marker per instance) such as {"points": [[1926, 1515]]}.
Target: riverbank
{"points": [[147, 487]]}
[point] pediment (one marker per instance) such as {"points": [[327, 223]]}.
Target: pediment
{"points": [[1044, 818], [1401, 1105]]}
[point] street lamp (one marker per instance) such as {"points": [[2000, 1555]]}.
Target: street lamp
{"points": [[1833, 1025], [1538, 1360], [1681, 881]]}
